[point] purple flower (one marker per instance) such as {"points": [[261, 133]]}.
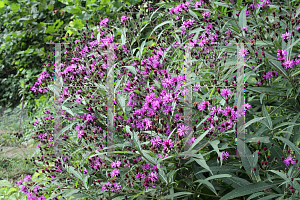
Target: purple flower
{"points": [[205, 14], [298, 28], [225, 155], [38, 146], [181, 130], [281, 54], [116, 164], [199, 3], [288, 64], [105, 186], [27, 178], [24, 189], [123, 18], [286, 36], [226, 92], [215, 110], [85, 171], [19, 182], [290, 160], [204, 105], [156, 141], [191, 141], [243, 52], [140, 176], [153, 176], [114, 172], [167, 143], [197, 87], [80, 134], [245, 29], [148, 123], [104, 21], [36, 189], [117, 187], [146, 166]]}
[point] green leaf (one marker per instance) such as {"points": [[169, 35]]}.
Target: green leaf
{"points": [[255, 195], [247, 159], [199, 139], [291, 145], [178, 194], [202, 163], [5, 183], [141, 49], [253, 121], [131, 68], [164, 23], [277, 65], [218, 176], [252, 188], [14, 7], [104, 2], [267, 115], [292, 45], [242, 18], [1, 4], [271, 196], [266, 90], [193, 14], [282, 175], [77, 24], [208, 184]]}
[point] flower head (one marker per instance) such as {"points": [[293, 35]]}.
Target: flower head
{"points": [[286, 36], [290, 160], [205, 14], [226, 93], [27, 178], [140, 176], [225, 155], [116, 164]]}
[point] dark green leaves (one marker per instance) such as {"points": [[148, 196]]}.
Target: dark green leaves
{"points": [[250, 189]]}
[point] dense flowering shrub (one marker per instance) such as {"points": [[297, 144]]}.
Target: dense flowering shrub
{"points": [[149, 158]]}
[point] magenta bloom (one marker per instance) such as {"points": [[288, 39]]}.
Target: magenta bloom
{"points": [[104, 21], [156, 141], [286, 36], [114, 172], [199, 3], [181, 130], [123, 18], [243, 52], [290, 160], [154, 176], [281, 54], [226, 93], [116, 164], [205, 14], [27, 178], [19, 182], [140, 176], [197, 87], [298, 28], [80, 134], [105, 186], [288, 64], [225, 155], [245, 29]]}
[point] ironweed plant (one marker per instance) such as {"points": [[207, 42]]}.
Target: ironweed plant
{"points": [[151, 158]]}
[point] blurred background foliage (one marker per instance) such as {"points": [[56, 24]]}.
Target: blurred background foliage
{"points": [[26, 27]]}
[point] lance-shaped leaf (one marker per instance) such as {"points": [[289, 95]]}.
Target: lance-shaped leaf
{"points": [[250, 189]]}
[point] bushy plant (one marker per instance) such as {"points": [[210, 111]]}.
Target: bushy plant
{"points": [[149, 159]]}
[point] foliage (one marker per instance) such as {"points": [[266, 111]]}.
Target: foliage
{"points": [[149, 158]]}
